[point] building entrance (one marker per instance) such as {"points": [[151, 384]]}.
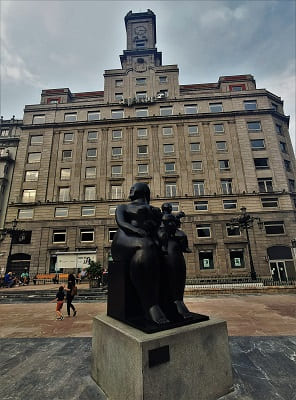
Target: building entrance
{"points": [[278, 271]]}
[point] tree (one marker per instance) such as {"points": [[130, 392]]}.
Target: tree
{"points": [[94, 273]]}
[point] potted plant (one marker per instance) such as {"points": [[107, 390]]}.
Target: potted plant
{"points": [[94, 274]]}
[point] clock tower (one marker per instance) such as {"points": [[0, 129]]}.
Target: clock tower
{"points": [[141, 40]]}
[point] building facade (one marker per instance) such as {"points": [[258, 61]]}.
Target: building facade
{"points": [[209, 149]]}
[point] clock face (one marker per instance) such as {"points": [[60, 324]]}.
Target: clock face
{"points": [[140, 30]]}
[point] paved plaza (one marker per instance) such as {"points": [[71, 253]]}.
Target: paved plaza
{"points": [[43, 358]]}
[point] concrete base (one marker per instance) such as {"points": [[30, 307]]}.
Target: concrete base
{"points": [[187, 363]]}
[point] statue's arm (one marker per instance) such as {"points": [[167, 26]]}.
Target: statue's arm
{"points": [[128, 228]]}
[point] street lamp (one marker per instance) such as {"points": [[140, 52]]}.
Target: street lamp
{"points": [[245, 221], [19, 234]]}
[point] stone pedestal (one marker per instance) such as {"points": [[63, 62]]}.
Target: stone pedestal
{"points": [[186, 363]]}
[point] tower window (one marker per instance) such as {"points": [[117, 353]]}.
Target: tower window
{"points": [[141, 81]]}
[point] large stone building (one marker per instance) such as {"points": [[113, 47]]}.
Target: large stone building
{"points": [[209, 148]]}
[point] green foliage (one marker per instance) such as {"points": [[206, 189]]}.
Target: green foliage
{"points": [[95, 270]]}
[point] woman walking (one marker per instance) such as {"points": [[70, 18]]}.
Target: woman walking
{"points": [[71, 292]]}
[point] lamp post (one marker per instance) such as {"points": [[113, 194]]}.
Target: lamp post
{"points": [[293, 243], [14, 234], [245, 222]]}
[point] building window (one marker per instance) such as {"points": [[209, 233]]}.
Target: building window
{"points": [[164, 111], [274, 106], [112, 210], [64, 194], [220, 146], [93, 115], [142, 150], [92, 136], [265, 184], [141, 112], [142, 169], [88, 211], [141, 81], [170, 167], [206, 260], [269, 202], [229, 204], [224, 165], [237, 258], [167, 131], [192, 130], [194, 147], [117, 114], [196, 166], [198, 188], [39, 119], [65, 174], [67, 155], [261, 163], [283, 147], [118, 83], [4, 132], [171, 189], [250, 105], [232, 230], [237, 88], [141, 95], [91, 153], [216, 107], [87, 235], [168, 148], [163, 79], [254, 126], [118, 96], [59, 237], [29, 195], [90, 172], [61, 212], [278, 129], [116, 192], [162, 94], [116, 170], [203, 231], [226, 186], [54, 101], [218, 128], [117, 134], [142, 132], [31, 176], [111, 233], [175, 206], [291, 185], [190, 108], [34, 158], [257, 144], [90, 193], [68, 137], [274, 228], [116, 151], [36, 140], [25, 213], [70, 117], [287, 165], [201, 206]]}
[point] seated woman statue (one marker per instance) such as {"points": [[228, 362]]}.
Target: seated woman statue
{"points": [[136, 243]]}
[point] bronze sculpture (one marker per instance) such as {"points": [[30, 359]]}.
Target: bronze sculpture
{"points": [[148, 271]]}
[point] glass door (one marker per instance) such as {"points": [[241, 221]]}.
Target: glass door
{"points": [[278, 271]]}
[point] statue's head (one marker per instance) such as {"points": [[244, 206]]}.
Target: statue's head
{"points": [[140, 190], [167, 208]]}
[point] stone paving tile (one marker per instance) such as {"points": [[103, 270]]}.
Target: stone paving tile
{"points": [[248, 315], [59, 369]]}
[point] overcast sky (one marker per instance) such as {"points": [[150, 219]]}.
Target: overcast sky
{"points": [[55, 44]]}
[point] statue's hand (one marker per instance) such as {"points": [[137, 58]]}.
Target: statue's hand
{"points": [[140, 232]]}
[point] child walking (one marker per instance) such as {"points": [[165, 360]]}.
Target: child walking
{"points": [[60, 296]]}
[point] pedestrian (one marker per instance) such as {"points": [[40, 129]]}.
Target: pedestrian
{"points": [[71, 292], [60, 296]]}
